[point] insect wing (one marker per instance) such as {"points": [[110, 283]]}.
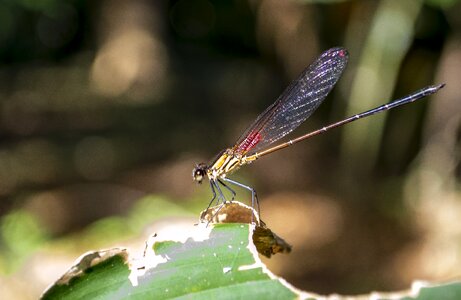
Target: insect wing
{"points": [[296, 103]]}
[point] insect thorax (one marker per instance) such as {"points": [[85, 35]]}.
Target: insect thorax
{"points": [[228, 162]]}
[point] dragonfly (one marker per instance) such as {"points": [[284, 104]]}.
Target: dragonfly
{"points": [[297, 103]]}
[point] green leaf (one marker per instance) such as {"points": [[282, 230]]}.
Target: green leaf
{"points": [[218, 261]]}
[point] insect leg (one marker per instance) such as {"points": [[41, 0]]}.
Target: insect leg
{"points": [[220, 193], [254, 196], [214, 194], [228, 188]]}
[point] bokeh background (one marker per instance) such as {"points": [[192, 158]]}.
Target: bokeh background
{"points": [[105, 107]]}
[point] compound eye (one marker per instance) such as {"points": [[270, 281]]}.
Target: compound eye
{"points": [[199, 172], [199, 176]]}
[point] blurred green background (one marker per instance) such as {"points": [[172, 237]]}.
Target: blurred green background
{"points": [[106, 106]]}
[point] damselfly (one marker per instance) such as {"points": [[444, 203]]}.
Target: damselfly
{"points": [[293, 107]]}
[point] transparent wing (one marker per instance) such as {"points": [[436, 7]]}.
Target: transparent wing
{"points": [[296, 103]]}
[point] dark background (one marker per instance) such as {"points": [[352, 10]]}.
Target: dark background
{"points": [[105, 107]]}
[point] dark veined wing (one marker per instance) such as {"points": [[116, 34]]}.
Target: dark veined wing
{"points": [[296, 104]]}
